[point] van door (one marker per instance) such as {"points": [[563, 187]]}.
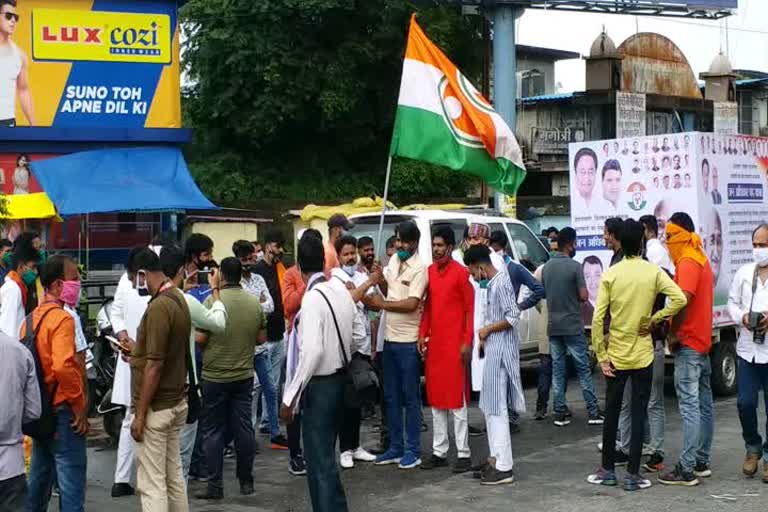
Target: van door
{"points": [[528, 251]]}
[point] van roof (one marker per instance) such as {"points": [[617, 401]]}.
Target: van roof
{"points": [[439, 215]]}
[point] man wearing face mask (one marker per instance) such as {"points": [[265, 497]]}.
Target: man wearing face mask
{"points": [[338, 225], [500, 347], [445, 342], [160, 363], [359, 284], [272, 270], [404, 283], [128, 306], [14, 294], [63, 455], [566, 290], [748, 305]]}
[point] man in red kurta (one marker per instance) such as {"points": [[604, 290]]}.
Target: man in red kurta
{"points": [[445, 341]]}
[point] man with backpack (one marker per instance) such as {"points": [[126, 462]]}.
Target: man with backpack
{"points": [[58, 447]]}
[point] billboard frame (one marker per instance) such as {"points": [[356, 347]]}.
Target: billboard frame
{"points": [[630, 7]]}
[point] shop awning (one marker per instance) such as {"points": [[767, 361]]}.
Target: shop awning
{"points": [[127, 179], [28, 206]]}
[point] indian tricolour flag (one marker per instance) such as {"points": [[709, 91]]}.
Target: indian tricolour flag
{"points": [[442, 119]]}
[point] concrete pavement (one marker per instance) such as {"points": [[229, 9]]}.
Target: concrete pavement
{"points": [[551, 466]]}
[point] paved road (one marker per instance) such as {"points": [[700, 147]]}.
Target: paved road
{"points": [[551, 466]]}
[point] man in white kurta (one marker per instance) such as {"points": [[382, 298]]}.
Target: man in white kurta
{"points": [[127, 310]]}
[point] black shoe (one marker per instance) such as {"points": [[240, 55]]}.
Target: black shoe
{"points": [[120, 490], [264, 430], [596, 419], [702, 470], [568, 413], [279, 442], [493, 476], [434, 462], [679, 477], [514, 428], [210, 496], [655, 463], [246, 488], [229, 452], [620, 458], [476, 432], [198, 478], [462, 465], [297, 466], [540, 414], [561, 419]]}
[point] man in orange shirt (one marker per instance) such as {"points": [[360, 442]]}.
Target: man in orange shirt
{"points": [[338, 224], [692, 329], [64, 453]]}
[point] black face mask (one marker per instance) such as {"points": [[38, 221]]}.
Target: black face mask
{"points": [[249, 267]]}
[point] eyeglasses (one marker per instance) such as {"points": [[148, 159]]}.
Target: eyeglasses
{"points": [[11, 16]]}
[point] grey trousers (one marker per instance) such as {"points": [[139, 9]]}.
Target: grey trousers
{"points": [[654, 428]]}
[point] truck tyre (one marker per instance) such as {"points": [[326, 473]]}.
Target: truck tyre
{"points": [[723, 360]]}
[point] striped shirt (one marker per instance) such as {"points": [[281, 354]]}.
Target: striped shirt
{"points": [[502, 386]]}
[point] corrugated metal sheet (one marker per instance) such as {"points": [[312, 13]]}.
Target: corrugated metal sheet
{"points": [[653, 64]]}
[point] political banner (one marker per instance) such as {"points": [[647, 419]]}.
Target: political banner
{"points": [[90, 63], [720, 181]]}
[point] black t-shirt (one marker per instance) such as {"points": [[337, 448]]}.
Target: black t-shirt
{"points": [[276, 320]]}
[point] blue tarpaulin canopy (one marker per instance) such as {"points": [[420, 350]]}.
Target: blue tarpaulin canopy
{"points": [[127, 179]]}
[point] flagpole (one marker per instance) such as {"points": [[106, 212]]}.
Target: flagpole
{"points": [[383, 208]]}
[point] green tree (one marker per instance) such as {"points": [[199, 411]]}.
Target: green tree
{"points": [[295, 99]]}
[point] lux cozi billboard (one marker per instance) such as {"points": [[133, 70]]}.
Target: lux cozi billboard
{"points": [[90, 63]]}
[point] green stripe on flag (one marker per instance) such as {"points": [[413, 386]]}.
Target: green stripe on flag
{"points": [[423, 135]]}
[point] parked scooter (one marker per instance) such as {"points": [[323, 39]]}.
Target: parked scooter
{"points": [[102, 377]]}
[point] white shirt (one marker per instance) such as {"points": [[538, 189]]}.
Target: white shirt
{"points": [[257, 286], [739, 299], [10, 68], [81, 343], [127, 311], [319, 350], [658, 255], [362, 340], [11, 308]]}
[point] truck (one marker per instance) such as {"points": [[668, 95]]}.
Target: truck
{"points": [[718, 179]]}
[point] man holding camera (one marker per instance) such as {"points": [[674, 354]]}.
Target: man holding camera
{"points": [[748, 305]]}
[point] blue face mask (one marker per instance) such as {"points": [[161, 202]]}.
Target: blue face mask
{"points": [[349, 269], [403, 254], [483, 283]]}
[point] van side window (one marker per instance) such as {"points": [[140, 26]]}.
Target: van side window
{"points": [[457, 225], [527, 248]]}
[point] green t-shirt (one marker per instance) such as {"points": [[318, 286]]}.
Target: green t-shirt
{"points": [[228, 357]]}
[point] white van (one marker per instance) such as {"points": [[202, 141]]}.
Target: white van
{"points": [[523, 245]]}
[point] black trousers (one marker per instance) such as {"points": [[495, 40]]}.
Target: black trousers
{"points": [[294, 436], [228, 404], [349, 435], [614, 394], [322, 406], [13, 494]]}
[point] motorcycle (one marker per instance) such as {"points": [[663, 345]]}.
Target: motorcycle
{"points": [[102, 374]]}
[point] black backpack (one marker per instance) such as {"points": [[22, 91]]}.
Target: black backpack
{"points": [[45, 426]]}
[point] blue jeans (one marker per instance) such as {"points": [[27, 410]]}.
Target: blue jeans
{"points": [[752, 378], [545, 382], [576, 346], [402, 388], [228, 404], [60, 458], [322, 410], [261, 364], [275, 354], [694, 394]]}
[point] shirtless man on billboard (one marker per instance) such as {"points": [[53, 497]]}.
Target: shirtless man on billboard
{"points": [[14, 65]]}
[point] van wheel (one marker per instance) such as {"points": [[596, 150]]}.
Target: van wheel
{"points": [[723, 360]]}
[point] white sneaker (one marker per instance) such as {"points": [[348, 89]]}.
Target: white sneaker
{"points": [[361, 454], [347, 461]]}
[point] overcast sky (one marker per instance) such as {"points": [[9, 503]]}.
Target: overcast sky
{"points": [[699, 40]]}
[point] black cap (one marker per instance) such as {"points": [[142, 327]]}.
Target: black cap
{"points": [[339, 220]]}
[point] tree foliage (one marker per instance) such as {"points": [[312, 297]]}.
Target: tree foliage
{"points": [[295, 99]]}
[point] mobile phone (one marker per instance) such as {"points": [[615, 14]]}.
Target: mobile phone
{"points": [[116, 345]]}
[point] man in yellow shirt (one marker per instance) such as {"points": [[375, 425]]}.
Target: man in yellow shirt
{"points": [[629, 289]]}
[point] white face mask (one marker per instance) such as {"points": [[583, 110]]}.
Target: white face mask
{"points": [[349, 269], [761, 256]]}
